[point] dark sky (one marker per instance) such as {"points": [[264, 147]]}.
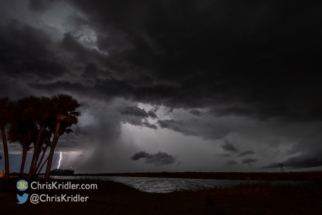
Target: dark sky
{"points": [[172, 85]]}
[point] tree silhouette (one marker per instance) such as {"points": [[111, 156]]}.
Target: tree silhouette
{"points": [[37, 110], [6, 116], [65, 113], [45, 141], [24, 132], [64, 128], [35, 120]]}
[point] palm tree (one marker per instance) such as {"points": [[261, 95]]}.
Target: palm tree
{"points": [[63, 129], [45, 141], [65, 112], [24, 132], [38, 111], [6, 115]]}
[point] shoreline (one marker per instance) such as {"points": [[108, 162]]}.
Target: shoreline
{"points": [[258, 176]]}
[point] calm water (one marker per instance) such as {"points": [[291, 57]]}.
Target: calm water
{"points": [[167, 185]]}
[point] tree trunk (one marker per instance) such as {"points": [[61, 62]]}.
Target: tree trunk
{"points": [[5, 151], [24, 155], [42, 165], [36, 160], [52, 149], [42, 157], [32, 165]]}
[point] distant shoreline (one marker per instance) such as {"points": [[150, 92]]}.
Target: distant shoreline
{"points": [[262, 176]]}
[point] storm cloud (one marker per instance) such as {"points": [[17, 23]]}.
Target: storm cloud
{"points": [[249, 161], [305, 154], [195, 112], [227, 146], [160, 158], [176, 126], [134, 111], [246, 153], [140, 58], [192, 78], [136, 116]]}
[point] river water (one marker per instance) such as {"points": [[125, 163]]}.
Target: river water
{"points": [[167, 185]]}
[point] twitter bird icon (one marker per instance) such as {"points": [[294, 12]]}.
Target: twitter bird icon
{"points": [[22, 199]]}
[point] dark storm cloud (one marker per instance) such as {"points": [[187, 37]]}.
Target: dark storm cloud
{"points": [[111, 88], [247, 57], [227, 146], [195, 112], [160, 158], [40, 5], [315, 112], [246, 153], [82, 54], [139, 155], [133, 110], [249, 161], [299, 162], [25, 55], [239, 60], [255, 59], [231, 163], [152, 115], [176, 126], [135, 116], [138, 121], [149, 125], [309, 152]]}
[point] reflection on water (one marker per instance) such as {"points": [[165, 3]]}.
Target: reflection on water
{"points": [[167, 185]]}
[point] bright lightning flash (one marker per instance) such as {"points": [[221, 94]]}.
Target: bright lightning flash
{"points": [[60, 157]]}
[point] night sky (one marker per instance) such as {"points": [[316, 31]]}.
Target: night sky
{"points": [[172, 85]]}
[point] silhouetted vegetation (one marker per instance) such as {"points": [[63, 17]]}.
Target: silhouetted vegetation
{"points": [[36, 123]]}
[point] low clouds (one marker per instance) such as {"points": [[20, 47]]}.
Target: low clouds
{"points": [[249, 161], [307, 153], [158, 159], [195, 112], [177, 126], [299, 162], [246, 153], [136, 111], [137, 116], [152, 114], [227, 146], [133, 111]]}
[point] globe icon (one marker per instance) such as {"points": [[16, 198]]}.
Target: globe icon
{"points": [[22, 185]]}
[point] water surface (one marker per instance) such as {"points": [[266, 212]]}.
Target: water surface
{"points": [[167, 185]]}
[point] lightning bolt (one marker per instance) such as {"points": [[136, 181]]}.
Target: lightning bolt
{"points": [[60, 157]]}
